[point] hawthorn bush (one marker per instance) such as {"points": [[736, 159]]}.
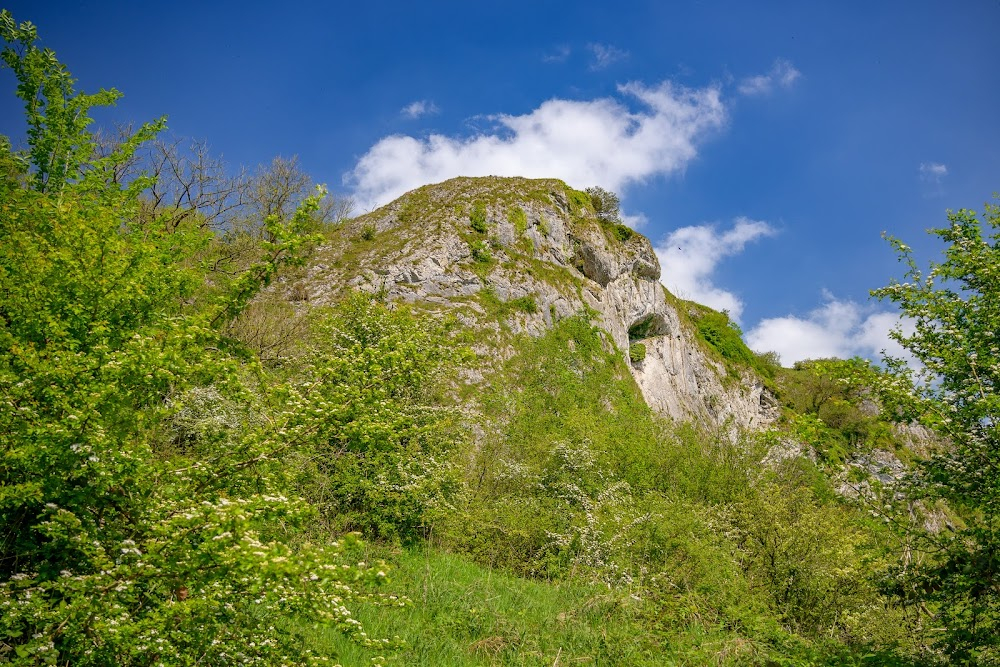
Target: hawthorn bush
{"points": [[132, 533]]}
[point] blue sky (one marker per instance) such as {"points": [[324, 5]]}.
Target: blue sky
{"points": [[763, 147]]}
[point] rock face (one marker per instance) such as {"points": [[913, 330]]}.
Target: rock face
{"points": [[511, 255]]}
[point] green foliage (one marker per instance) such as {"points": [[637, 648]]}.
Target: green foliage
{"points": [[561, 393], [519, 219], [955, 314], [579, 202], [623, 232], [466, 614], [641, 329], [381, 461], [500, 310], [368, 232], [477, 219], [540, 196], [524, 304], [60, 150], [481, 252], [796, 548], [706, 468], [577, 481], [832, 408], [770, 361], [831, 445], [177, 447], [725, 337], [636, 352], [144, 519], [606, 205]]}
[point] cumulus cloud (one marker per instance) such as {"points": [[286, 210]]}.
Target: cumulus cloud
{"points": [[419, 108], [635, 220], [932, 172], [602, 142], [781, 75], [605, 55], [838, 328], [689, 256]]}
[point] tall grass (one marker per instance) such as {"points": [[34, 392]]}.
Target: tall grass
{"points": [[466, 614]]}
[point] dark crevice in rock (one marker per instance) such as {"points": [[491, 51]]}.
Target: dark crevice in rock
{"points": [[648, 326]]}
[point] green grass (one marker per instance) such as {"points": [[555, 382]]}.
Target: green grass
{"points": [[489, 587], [723, 339], [466, 614], [501, 310]]}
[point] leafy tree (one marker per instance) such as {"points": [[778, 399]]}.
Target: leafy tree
{"points": [[121, 542], [802, 553], [606, 204], [382, 464], [59, 148], [955, 309]]}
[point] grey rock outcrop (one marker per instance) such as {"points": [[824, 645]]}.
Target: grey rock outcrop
{"points": [[546, 255]]}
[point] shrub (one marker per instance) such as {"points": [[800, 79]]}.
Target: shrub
{"points": [[477, 219], [525, 304], [481, 252], [636, 352], [725, 337], [805, 554], [501, 309], [143, 520], [641, 328], [606, 206], [623, 232], [578, 201], [380, 464], [519, 219]]}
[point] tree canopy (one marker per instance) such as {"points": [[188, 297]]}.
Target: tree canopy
{"points": [[955, 309]]}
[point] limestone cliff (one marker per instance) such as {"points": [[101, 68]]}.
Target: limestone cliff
{"points": [[510, 255]]}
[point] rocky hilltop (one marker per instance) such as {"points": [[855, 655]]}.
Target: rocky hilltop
{"points": [[512, 255]]}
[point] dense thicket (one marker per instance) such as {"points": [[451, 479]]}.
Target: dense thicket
{"points": [[146, 505]]}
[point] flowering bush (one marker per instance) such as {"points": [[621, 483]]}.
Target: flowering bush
{"points": [[118, 546]]}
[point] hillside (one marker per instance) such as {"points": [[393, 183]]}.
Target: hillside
{"points": [[467, 428], [585, 461], [510, 256]]}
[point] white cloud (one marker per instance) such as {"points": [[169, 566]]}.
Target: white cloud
{"points": [[838, 328], [932, 172], [689, 256], [558, 55], [585, 142], [635, 220], [419, 108], [781, 75], [605, 55]]}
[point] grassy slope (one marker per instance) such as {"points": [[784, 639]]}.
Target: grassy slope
{"points": [[658, 565], [591, 533]]}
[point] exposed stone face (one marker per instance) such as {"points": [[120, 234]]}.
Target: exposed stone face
{"points": [[551, 250]]}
